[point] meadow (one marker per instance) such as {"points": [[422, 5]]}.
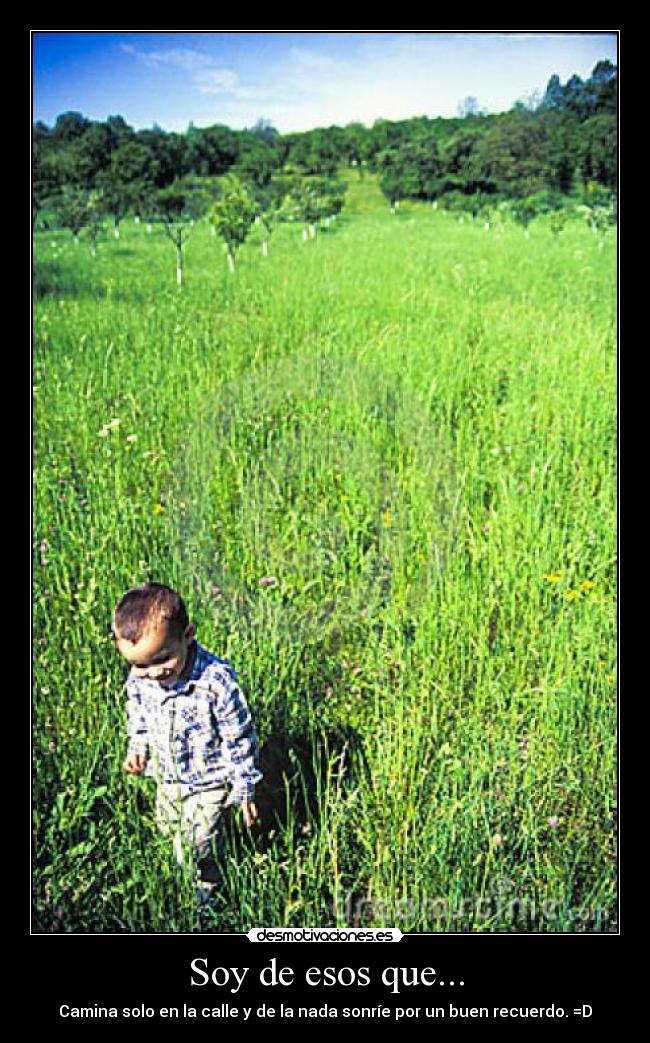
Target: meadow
{"points": [[380, 466]]}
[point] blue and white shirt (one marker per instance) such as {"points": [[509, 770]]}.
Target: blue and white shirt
{"points": [[197, 733]]}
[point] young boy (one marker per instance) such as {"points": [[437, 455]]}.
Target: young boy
{"points": [[188, 726]]}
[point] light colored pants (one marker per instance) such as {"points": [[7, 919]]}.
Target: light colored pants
{"points": [[195, 823]]}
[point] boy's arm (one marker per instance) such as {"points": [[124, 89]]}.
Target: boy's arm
{"points": [[239, 742], [136, 729]]}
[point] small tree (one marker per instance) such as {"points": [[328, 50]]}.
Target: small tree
{"points": [[96, 206], [128, 180], [177, 208], [523, 211], [599, 210], [315, 198], [599, 218], [78, 208], [232, 215], [557, 221], [116, 200], [270, 218]]}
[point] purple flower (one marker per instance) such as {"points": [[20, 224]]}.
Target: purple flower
{"points": [[268, 581], [553, 821]]}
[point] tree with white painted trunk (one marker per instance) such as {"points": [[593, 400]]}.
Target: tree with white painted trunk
{"points": [[127, 181], [523, 211], [232, 215], [315, 198], [177, 208], [79, 208], [275, 207]]}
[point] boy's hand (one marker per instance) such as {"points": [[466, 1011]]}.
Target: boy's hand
{"points": [[135, 763], [250, 813]]}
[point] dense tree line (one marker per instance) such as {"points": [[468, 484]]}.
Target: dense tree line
{"points": [[566, 142]]}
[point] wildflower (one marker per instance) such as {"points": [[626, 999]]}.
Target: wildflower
{"points": [[553, 577], [268, 581], [497, 840], [486, 529], [387, 519], [158, 508], [571, 595], [553, 821], [215, 592], [587, 584]]}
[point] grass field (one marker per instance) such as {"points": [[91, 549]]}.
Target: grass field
{"points": [[408, 422]]}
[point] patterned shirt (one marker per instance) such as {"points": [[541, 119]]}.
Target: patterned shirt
{"points": [[197, 733]]}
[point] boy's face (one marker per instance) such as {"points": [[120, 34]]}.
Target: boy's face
{"points": [[157, 655]]}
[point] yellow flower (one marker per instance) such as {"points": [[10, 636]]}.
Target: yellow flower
{"points": [[571, 595], [587, 584], [553, 577], [387, 518], [158, 508]]}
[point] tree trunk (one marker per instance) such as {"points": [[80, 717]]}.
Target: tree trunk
{"points": [[305, 235], [116, 230], [231, 261], [265, 248], [312, 231], [179, 261]]}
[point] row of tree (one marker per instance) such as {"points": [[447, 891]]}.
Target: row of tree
{"points": [[567, 139], [230, 205]]}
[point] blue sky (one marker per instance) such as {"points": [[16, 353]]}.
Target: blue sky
{"points": [[297, 80]]}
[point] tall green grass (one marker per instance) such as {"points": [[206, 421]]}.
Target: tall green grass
{"points": [[410, 424]]}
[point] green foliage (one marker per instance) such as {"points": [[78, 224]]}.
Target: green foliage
{"points": [[568, 140], [233, 213], [77, 208], [522, 210], [314, 198]]}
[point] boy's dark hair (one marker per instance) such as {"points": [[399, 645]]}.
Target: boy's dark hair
{"points": [[147, 604]]}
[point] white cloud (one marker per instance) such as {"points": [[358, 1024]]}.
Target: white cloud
{"points": [[215, 81], [207, 76], [394, 76]]}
